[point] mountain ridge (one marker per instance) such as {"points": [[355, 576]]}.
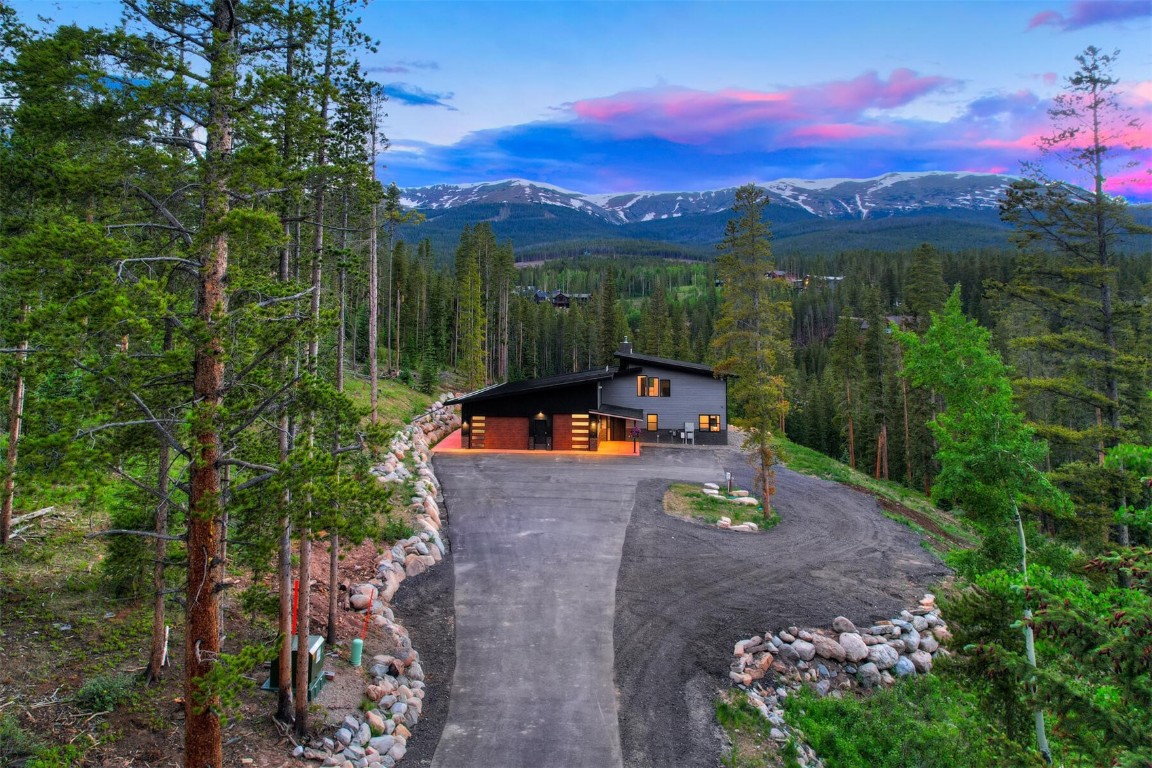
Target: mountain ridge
{"points": [[952, 210], [889, 194]]}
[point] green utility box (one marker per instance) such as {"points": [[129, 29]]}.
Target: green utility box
{"points": [[315, 667]]}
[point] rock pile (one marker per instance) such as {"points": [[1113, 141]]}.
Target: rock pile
{"points": [[396, 679], [832, 661], [736, 497]]}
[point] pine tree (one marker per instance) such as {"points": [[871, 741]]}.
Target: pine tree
{"points": [[1082, 378], [753, 332]]}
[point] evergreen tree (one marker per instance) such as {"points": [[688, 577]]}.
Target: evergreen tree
{"points": [[1083, 378], [753, 332]]}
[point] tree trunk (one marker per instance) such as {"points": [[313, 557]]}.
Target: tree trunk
{"points": [[202, 729], [1029, 643], [15, 418], [851, 428], [284, 579], [159, 649], [304, 610], [158, 652], [374, 300], [333, 586], [907, 439], [303, 623]]}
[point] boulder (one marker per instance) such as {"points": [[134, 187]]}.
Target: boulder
{"points": [[883, 656], [827, 648], [841, 625], [929, 643], [854, 647], [922, 661], [376, 723], [804, 649], [414, 565], [868, 675], [904, 667]]}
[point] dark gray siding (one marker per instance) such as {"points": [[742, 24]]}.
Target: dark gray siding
{"points": [[692, 394]]}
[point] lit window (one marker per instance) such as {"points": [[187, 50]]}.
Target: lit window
{"points": [[709, 422], [653, 422], [653, 386], [641, 386]]}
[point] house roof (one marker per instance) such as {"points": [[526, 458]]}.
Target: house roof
{"points": [[530, 385], [663, 362]]}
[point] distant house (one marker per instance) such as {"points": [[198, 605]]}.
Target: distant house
{"points": [[651, 399], [559, 299]]}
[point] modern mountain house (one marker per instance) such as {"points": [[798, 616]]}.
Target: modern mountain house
{"points": [[646, 398]]}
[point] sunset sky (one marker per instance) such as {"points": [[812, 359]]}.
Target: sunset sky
{"points": [[623, 96]]}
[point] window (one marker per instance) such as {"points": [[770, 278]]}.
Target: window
{"points": [[652, 386], [653, 422], [709, 422]]}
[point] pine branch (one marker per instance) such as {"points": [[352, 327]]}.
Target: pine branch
{"points": [[125, 532]]}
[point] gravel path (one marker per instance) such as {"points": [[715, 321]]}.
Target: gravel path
{"points": [[686, 593]]}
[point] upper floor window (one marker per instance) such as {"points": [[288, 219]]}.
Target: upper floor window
{"points": [[652, 386]]}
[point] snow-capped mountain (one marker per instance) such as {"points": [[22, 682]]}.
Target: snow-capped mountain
{"points": [[888, 195]]}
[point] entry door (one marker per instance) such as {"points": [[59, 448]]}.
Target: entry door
{"points": [[619, 429], [542, 432]]}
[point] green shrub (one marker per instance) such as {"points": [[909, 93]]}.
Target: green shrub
{"points": [[925, 722], [127, 570], [104, 693], [15, 742], [60, 756], [259, 600]]}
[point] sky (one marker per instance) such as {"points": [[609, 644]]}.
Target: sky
{"points": [[662, 95]]}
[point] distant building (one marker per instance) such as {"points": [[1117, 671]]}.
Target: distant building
{"points": [[559, 299]]}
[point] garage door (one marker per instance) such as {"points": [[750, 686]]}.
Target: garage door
{"points": [[509, 433]]}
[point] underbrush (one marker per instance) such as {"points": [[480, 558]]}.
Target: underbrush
{"points": [[749, 736], [924, 722], [686, 500], [397, 404]]}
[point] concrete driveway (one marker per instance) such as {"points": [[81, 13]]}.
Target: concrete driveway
{"points": [[537, 541]]}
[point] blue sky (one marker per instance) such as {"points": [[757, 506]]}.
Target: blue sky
{"points": [[603, 96]]}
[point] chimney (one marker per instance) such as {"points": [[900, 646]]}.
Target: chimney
{"points": [[625, 347]]}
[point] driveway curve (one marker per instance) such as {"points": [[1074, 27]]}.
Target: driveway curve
{"points": [[687, 592], [536, 545]]}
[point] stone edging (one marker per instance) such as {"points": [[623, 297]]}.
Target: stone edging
{"points": [[379, 738], [829, 662]]}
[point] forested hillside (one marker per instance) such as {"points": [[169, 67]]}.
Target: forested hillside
{"points": [[199, 264]]}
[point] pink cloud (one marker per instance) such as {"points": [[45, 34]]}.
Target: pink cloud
{"points": [[1135, 184], [868, 91], [1089, 13], [1045, 17], [694, 117]]}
